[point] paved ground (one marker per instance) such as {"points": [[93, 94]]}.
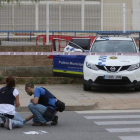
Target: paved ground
{"points": [[81, 125], [77, 100]]}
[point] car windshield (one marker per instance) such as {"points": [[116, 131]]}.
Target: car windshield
{"points": [[113, 46]]}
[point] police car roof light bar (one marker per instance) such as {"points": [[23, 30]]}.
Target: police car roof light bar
{"points": [[114, 33]]}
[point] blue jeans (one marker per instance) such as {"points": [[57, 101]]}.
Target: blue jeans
{"points": [[38, 111], [17, 121]]}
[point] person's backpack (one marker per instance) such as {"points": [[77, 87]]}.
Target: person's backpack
{"points": [[60, 106]]}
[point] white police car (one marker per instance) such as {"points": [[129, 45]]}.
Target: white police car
{"points": [[115, 63]]}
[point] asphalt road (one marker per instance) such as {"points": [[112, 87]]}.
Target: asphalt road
{"points": [[81, 126]]}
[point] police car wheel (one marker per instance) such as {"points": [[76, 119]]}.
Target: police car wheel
{"points": [[86, 88]]}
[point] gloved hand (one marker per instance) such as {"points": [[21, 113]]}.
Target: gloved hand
{"points": [[24, 121]]}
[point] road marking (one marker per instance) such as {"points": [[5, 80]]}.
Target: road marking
{"points": [[35, 132], [129, 137], [117, 130], [123, 129], [112, 117], [117, 122], [107, 111]]}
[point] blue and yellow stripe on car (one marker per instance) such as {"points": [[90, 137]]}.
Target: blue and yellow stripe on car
{"points": [[68, 72]]}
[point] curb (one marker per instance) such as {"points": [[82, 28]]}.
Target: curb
{"points": [[68, 108], [44, 80], [81, 107]]}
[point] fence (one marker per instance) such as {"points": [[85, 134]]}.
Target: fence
{"points": [[22, 23], [63, 16]]}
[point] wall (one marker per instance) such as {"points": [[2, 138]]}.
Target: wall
{"points": [[24, 66], [136, 13], [113, 15], [24, 60]]}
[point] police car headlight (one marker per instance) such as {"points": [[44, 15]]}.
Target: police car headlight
{"points": [[133, 67], [91, 66]]}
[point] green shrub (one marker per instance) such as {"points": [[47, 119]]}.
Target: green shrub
{"points": [[33, 81], [21, 81], [36, 80], [1, 78], [64, 81], [43, 80]]}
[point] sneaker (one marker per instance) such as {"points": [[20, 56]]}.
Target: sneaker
{"points": [[55, 121], [9, 124], [2, 123]]}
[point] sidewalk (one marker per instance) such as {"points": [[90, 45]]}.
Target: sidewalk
{"points": [[72, 95], [78, 100]]}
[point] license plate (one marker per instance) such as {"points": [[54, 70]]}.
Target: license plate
{"points": [[112, 77]]}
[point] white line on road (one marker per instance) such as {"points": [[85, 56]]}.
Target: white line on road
{"points": [[117, 122], [112, 117], [123, 129], [107, 111], [129, 137]]}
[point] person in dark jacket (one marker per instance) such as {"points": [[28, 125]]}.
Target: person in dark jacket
{"points": [[9, 99], [42, 101]]}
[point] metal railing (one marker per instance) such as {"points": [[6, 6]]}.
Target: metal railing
{"points": [[30, 36]]}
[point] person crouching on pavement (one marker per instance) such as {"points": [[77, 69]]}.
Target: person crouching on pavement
{"points": [[42, 102], [9, 99]]}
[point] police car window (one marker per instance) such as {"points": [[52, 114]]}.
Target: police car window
{"points": [[113, 46]]}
